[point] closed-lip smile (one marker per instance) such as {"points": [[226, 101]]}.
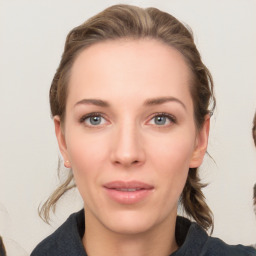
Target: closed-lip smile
{"points": [[128, 192]]}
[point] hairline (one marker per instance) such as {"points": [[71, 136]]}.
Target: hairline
{"points": [[191, 76]]}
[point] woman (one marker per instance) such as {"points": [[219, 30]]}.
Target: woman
{"points": [[131, 107]]}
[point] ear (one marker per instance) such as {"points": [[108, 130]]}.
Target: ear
{"points": [[61, 141], [201, 144]]}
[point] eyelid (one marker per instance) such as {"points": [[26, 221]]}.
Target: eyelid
{"points": [[171, 118], [92, 114]]}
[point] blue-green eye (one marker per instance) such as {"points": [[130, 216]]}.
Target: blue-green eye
{"points": [[93, 120], [162, 119]]}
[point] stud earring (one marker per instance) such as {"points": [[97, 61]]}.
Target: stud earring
{"points": [[67, 164]]}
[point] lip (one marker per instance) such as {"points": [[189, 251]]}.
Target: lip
{"points": [[128, 192]]}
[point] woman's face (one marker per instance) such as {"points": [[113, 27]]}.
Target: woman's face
{"points": [[129, 133]]}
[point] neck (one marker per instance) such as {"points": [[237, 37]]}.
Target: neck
{"points": [[158, 241]]}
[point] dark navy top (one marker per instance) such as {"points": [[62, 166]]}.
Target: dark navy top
{"points": [[190, 237]]}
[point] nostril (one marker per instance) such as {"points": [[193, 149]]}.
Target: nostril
{"points": [[127, 162]]}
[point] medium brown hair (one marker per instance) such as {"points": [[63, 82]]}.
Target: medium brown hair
{"points": [[125, 21]]}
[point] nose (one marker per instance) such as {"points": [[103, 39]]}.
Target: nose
{"points": [[127, 146]]}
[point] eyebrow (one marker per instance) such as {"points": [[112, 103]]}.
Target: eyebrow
{"points": [[162, 100], [96, 102], [148, 102]]}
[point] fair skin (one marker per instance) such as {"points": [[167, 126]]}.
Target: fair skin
{"points": [[130, 138]]}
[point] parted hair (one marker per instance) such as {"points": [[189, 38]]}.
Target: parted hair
{"points": [[131, 22]]}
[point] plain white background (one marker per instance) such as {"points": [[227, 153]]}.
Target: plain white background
{"points": [[32, 35]]}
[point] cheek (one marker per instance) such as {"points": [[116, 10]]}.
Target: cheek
{"points": [[87, 156], [171, 160], [173, 153], [78, 152], [83, 148]]}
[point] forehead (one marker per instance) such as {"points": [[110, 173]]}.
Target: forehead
{"points": [[129, 67]]}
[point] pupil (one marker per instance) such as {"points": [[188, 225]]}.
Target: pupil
{"points": [[160, 120], [95, 120]]}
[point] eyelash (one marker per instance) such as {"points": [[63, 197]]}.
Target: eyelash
{"points": [[94, 114], [170, 117]]}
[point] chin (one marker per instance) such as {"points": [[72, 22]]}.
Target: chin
{"points": [[130, 227], [131, 222]]}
